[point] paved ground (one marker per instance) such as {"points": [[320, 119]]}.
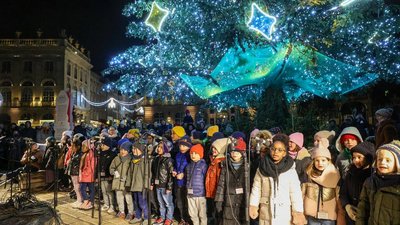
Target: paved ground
{"points": [[72, 216]]}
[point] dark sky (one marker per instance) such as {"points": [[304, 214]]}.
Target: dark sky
{"points": [[97, 24]]}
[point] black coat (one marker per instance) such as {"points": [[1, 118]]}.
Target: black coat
{"points": [[106, 157], [161, 170], [233, 202]]}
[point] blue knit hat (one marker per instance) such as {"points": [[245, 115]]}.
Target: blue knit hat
{"points": [[126, 146]]}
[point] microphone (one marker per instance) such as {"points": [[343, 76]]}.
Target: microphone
{"points": [[261, 141], [155, 136], [233, 142]]}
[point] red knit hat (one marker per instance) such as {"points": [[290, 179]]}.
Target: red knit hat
{"points": [[240, 145], [348, 136], [198, 149]]}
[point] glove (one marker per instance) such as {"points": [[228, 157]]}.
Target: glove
{"points": [[218, 206], [253, 212], [116, 174], [351, 211]]}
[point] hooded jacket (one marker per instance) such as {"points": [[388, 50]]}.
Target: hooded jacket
{"points": [[214, 169], [323, 190], [343, 160], [161, 171], [123, 165]]}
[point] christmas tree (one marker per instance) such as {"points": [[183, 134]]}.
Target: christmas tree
{"points": [[229, 51]]}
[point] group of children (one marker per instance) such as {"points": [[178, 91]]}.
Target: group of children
{"points": [[288, 184]]}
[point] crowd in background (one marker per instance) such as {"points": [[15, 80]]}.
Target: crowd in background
{"points": [[197, 173]]}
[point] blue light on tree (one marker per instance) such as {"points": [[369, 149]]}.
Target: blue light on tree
{"points": [[261, 22]]}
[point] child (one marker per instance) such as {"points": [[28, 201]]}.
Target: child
{"points": [[299, 154], [195, 173], [231, 193], [181, 161], [161, 169], [140, 176], [86, 175], [72, 160], [380, 198], [106, 157], [360, 169], [320, 193], [120, 168], [349, 138]]}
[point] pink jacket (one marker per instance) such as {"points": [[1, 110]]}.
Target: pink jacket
{"points": [[87, 167]]}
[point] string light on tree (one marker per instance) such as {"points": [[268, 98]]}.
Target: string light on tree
{"points": [[261, 22], [156, 17]]}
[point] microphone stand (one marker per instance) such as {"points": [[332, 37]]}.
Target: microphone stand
{"points": [[97, 152], [147, 166], [55, 151]]}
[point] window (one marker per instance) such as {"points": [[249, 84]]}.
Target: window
{"points": [[6, 84], [28, 66], [6, 67], [81, 75], [49, 67], [48, 94], [75, 72], [6, 93], [26, 96], [27, 84], [69, 69], [48, 83]]}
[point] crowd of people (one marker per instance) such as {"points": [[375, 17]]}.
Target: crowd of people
{"points": [[195, 174]]}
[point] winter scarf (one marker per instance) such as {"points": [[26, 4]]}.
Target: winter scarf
{"points": [[236, 165], [329, 177], [381, 181], [347, 153], [269, 169]]}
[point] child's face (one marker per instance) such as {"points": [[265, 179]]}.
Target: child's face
{"points": [[183, 148], [136, 151], [236, 156], [278, 151], [359, 160], [195, 157], [350, 143], [292, 146], [385, 162], [123, 152], [321, 163], [214, 151], [160, 149]]}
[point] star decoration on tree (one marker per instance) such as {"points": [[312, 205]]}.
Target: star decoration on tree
{"points": [[156, 17], [261, 22]]}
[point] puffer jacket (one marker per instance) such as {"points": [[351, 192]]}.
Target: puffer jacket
{"points": [[234, 204], [161, 170], [88, 167], [196, 173], [124, 167], [285, 197], [379, 206], [327, 186], [73, 163], [181, 161], [343, 160], [212, 177], [106, 157]]}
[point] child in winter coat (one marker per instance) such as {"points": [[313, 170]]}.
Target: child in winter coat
{"points": [[360, 170], [321, 192], [140, 177], [182, 159], [218, 148], [299, 154], [120, 168], [231, 192], [161, 169], [196, 173], [276, 192], [86, 174], [72, 162], [106, 157], [380, 196]]}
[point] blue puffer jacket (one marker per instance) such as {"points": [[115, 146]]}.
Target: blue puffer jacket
{"points": [[181, 161], [196, 174]]}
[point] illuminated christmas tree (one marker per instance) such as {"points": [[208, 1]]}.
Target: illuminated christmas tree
{"points": [[228, 51]]}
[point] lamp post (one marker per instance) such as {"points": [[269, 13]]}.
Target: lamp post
{"points": [[293, 110]]}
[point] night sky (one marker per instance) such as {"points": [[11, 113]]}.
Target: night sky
{"points": [[98, 25]]}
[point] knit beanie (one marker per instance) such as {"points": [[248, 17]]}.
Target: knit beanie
{"points": [[67, 133], [108, 142], [297, 138], [211, 130], [198, 149], [134, 132], [254, 132], [185, 140], [138, 145], [196, 134], [325, 134], [367, 149], [384, 112], [345, 137], [238, 134], [221, 145], [126, 146], [321, 151], [216, 135], [394, 148], [240, 145], [121, 141], [167, 145], [179, 130]]}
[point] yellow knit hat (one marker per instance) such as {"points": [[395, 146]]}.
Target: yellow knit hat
{"points": [[179, 130], [211, 130]]}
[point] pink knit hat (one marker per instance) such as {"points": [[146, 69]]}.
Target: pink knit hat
{"points": [[297, 138], [321, 150], [254, 132]]}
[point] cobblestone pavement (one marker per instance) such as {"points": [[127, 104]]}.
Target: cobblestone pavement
{"points": [[69, 215]]}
